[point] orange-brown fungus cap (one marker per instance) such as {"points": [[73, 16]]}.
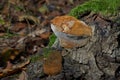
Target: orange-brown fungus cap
{"points": [[71, 25]]}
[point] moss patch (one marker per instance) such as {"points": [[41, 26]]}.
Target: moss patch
{"points": [[47, 52], [52, 39], [105, 7], [2, 22], [35, 58]]}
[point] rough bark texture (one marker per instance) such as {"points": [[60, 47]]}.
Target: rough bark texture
{"points": [[99, 59]]}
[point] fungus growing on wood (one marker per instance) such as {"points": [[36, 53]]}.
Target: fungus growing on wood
{"points": [[70, 31]]}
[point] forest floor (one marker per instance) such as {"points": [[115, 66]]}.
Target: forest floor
{"points": [[25, 29]]}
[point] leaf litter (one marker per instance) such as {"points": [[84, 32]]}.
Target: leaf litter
{"points": [[25, 29]]}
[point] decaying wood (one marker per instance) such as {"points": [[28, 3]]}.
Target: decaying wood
{"points": [[100, 55]]}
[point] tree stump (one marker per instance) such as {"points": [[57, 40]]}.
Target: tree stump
{"points": [[99, 58]]}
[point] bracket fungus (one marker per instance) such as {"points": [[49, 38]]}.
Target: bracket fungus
{"points": [[70, 31]]}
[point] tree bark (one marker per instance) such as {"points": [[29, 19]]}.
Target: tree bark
{"points": [[99, 59]]}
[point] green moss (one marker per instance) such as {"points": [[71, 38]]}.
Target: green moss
{"points": [[2, 22], [43, 9], [35, 58], [19, 8], [47, 51], [52, 39], [104, 7]]}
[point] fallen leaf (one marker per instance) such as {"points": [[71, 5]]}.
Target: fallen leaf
{"points": [[23, 76], [9, 53], [18, 26], [29, 17], [2, 29], [71, 1], [45, 35], [9, 65], [15, 68], [44, 23], [5, 9], [2, 34], [13, 1]]}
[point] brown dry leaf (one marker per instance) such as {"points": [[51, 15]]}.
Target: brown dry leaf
{"points": [[54, 13], [37, 32], [4, 50], [2, 34], [44, 23], [9, 54], [2, 29], [23, 76], [9, 65], [5, 9], [18, 26], [40, 3], [13, 1], [45, 35], [71, 1], [47, 2], [22, 40], [29, 17], [21, 65], [14, 69]]}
